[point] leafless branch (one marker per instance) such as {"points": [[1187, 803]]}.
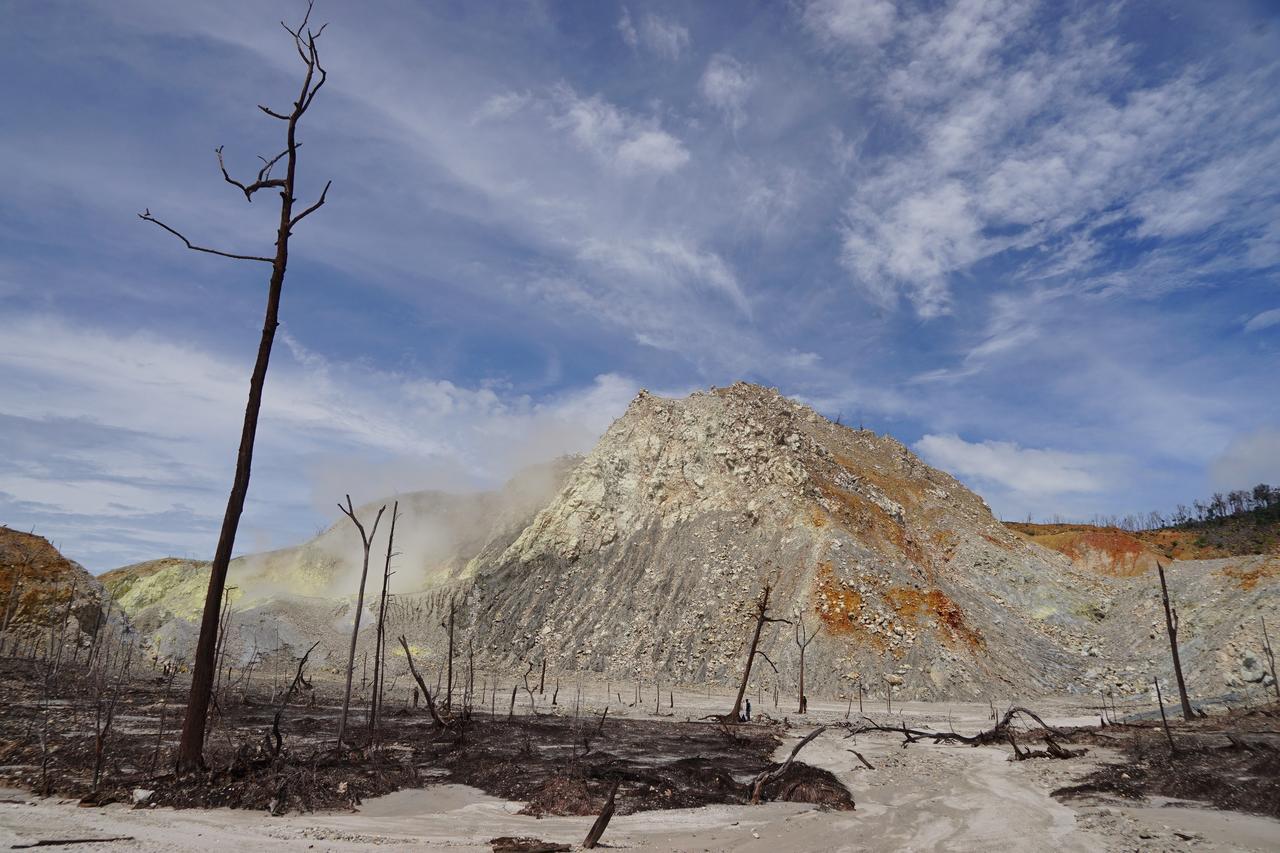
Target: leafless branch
{"points": [[273, 113], [147, 217], [263, 182], [313, 208]]}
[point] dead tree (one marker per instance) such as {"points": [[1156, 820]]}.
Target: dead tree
{"points": [[602, 821], [757, 788], [1171, 622], [448, 697], [220, 646], [1266, 647], [1164, 719], [379, 654], [299, 680], [994, 734], [104, 716], [803, 639], [191, 748], [533, 707], [762, 616], [366, 541], [171, 670], [422, 685]]}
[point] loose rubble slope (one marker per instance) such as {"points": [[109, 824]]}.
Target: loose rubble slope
{"points": [[41, 590], [649, 560]]}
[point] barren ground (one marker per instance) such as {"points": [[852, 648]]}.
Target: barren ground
{"points": [[922, 797]]}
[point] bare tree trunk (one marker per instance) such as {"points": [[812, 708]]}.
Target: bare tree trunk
{"points": [[448, 697], [379, 643], [1163, 718], [366, 541], [762, 616], [1266, 645], [422, 685], [191, 747], [1171, 622], [803, 639], [471, 678], [602, 821]]}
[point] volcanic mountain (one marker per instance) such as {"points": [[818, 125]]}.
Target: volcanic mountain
{"points": [[645, 558]]}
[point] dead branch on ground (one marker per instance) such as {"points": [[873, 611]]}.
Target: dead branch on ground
{"points": [[768, 776]]}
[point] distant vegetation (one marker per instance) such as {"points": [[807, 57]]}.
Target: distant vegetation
{"points": [[1260, 505], [1245, 521]]}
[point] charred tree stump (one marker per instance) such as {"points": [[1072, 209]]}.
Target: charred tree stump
{"points": [[598, 828]]}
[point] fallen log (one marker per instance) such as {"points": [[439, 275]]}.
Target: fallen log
{"points": [[59, 842], [988, 736], [768, 776], [524, 844]]}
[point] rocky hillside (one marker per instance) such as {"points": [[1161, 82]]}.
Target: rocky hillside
{"points": [[648, 561], [41, 590], [281, 598], [645, 558]]}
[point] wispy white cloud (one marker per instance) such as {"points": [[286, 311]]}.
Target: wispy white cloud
{"points": [[1004, 464], [617, 137], [864, 23], [726, 83], [664, 37], [664, 261], [1263, 320], [145, 426], [1017, 135]]}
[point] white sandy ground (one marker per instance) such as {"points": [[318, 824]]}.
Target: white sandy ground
{"points": [[921, 798]]}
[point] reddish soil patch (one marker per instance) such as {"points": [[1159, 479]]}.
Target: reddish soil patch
{"points": [[1248, 578], [835, 602], [862, 516], [913, 604]]}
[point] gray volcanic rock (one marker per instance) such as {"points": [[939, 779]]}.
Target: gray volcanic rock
{"points": [[649, 560]]}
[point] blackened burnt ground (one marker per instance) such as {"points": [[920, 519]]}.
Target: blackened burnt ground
{"points": [[558, 764]]}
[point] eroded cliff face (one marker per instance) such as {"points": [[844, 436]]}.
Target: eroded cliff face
{"points": [[648, 561]]}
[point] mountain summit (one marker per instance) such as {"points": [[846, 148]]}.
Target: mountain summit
{"points": [[647, 563]]}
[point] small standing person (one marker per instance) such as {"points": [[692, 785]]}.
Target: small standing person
{"points": [[748, 713]]}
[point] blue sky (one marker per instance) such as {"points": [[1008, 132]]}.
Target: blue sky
{"points": [[1036, 242]]}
